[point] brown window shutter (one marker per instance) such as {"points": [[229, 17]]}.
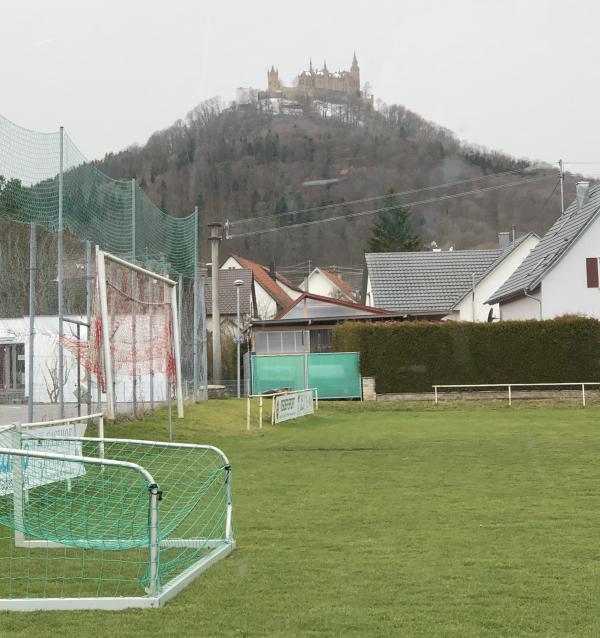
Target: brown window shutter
{"points": [[591, 267]]}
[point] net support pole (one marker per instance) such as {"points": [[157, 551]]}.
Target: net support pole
{"points": [[88, 313], [180, 306], [18, 496], [110, 398], [153, 542], [177, 348], [60, 278], [151, 334], [31, 351], [195, 320], [133, 308]]}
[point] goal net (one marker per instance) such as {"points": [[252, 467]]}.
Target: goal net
{"points": [[102, 523], [133, 347]]}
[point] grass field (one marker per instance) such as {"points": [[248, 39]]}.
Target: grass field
{"points": [[387, 520]]}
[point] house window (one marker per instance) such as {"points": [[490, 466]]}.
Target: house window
{"points": [[591, 267], [281, 342], [320, 340]]}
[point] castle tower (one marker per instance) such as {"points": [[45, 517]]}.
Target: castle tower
{"points": [[355, 72], [274, 83]]}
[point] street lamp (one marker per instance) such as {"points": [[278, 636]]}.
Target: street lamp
{"points": [[237, 283]]}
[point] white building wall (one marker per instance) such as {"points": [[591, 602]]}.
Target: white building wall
{"points": [[368, 301], [45, 363], [266, 306], [290, 292], [319, 284], [564, 288], [479, 310], [521, 308]]}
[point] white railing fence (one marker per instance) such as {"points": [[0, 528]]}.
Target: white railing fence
{"points": [[510, 386]]}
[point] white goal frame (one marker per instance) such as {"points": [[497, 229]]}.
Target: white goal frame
{"points": [[157, 593], [101, 258]]}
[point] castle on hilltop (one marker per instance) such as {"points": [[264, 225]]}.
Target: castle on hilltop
{"points": [[317, 83]]}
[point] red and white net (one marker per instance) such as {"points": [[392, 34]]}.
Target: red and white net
{"points": [[140, 327]]}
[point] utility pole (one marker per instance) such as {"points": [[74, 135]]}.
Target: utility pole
{"points": [[215, 234], [562, 183]]}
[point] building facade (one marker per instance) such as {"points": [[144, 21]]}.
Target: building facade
{"points": [[317, 83], [561, 275]]}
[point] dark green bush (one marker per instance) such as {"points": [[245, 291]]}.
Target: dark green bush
{"points": [[412, 356]]}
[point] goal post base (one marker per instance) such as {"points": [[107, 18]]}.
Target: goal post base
{"points": [[117, 603]]}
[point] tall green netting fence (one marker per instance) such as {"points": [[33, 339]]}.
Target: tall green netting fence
{"points": [[107, 523], [47, 183], [117, 215]]}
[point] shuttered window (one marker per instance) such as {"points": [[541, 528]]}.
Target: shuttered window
{"points": [[591, 267]]}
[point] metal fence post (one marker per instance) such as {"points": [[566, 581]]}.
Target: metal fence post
{"points": [[88, 313], [60, 278], [195, 309], [31, 359], [583, 394], [509, 396]]}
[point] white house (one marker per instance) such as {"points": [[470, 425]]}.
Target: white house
{"points": [[327, 284], [14, 365], [272, 291], [560, 275], [453, 284]]}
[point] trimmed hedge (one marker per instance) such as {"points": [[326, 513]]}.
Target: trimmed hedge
{"points": [[412, 356]]}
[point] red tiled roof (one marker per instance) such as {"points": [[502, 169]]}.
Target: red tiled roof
{"points": [[333, 301], [340, 283], [263, 278]]}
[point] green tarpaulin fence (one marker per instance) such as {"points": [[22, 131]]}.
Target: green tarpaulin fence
{"points": [[335, 375]]}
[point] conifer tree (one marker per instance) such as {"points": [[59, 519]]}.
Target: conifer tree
{"points": [[392, 230]]}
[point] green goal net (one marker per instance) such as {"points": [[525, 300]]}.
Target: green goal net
{"points": [[107, 523]]}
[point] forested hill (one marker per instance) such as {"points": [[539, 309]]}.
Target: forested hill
{"points": [[238, 164]]}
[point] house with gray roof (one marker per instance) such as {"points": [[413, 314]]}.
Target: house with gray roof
{"points": [[228, 298], [560, 275], [452, 284]]}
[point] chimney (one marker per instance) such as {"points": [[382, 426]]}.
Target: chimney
{"points": [[582, 189], [513, 232], [272, 272], [503, 240]]}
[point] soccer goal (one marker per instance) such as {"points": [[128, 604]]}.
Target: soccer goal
{"points": [[104, 523], [283, 406], [134, 336]]}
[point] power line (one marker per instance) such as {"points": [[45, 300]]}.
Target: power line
{"points": [[375, 198], [378, 210]]}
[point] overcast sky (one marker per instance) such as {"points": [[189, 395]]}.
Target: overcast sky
{"points": [[519, 76]]}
